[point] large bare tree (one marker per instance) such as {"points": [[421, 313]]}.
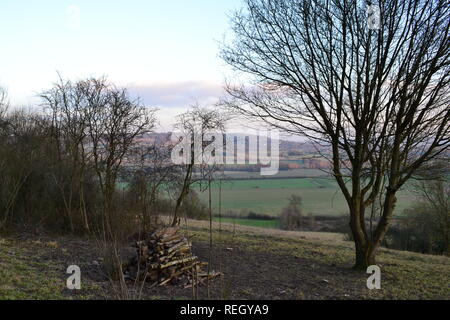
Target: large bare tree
{"points": [[94, 126], [378, 96], [65, 105], [114, 122]]}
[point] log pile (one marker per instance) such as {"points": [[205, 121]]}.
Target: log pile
{"points": [[165, 257]]}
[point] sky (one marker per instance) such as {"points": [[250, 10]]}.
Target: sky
{"points": [[164, 51]]}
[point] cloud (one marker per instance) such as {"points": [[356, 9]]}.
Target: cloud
{"points": [[73, 17], [181, 94]]}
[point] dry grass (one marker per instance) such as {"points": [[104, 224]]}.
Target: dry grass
{"points": [[225, 226], [294, 263]]}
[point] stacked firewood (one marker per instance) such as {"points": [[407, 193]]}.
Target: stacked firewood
{"points": [[166, 257]]}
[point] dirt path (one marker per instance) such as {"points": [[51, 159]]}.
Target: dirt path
{"points": [[262, 275]]}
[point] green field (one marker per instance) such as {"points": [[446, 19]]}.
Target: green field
{"points": [[243, 192], [321, 196]]}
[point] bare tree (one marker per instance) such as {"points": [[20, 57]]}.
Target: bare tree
{"points": [[4, 104], [21, 143], [196, 124], [66, 105], [434, 191], [14, 165], [114, 121], [377, 97], [152, 172]]}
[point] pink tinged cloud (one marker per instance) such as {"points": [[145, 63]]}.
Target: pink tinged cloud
{"points": [[180, 94]]}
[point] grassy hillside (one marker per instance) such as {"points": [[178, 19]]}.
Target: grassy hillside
{"points": [[257, 264], [317, 263]]}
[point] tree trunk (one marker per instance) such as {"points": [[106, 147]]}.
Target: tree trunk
{"points": [[366, 247], [365, 256], [447, 248], [183, 194]]}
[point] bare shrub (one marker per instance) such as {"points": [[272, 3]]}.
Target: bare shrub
{"points": [[292, 215]]}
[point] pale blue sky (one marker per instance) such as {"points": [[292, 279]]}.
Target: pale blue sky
{"points": [[165, 50]]}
